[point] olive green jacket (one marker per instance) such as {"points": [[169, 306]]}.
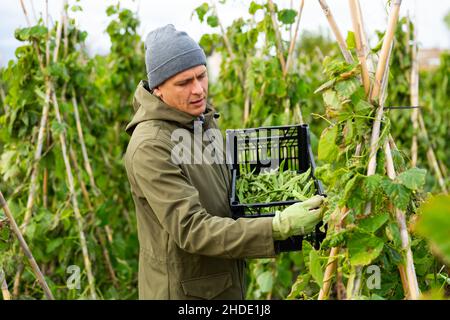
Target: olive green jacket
{"points": [[190, 247]]}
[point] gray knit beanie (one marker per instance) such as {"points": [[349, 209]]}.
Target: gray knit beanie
{"points": [[168, 52]]}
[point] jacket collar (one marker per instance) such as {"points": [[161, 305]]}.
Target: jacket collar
{"points": [[149, 107]]}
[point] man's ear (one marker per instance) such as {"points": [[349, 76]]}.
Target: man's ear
{"points": [[157, 92]]}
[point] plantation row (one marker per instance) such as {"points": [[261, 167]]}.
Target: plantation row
{"points": [[384, 168]]}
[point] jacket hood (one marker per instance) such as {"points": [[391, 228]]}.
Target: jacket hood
{"points": [[149, 107]]}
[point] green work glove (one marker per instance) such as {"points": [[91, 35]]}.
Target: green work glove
{"points": [[297, 219]]}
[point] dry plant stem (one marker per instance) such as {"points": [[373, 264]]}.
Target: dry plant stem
{"points": [[432, 157], [277, 35], [25, 248], [37, 158], [47, 42], [91, 209], [364, 40], [413, 287], [357, 29], [36, 48], [87, 164], [3, 97], [86, 111], [43, 125], [4, 285], [59, 33], [294, 39], [385, 49], [78, 217], [414, 95], [334, 27], [329, 274]]}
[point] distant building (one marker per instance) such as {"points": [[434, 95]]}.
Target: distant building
{"points": [[429, 59]]}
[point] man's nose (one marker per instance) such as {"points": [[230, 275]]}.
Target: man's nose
{"points": [[197, 87]]}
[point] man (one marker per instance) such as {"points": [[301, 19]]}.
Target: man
{"points": [[190, 247]]}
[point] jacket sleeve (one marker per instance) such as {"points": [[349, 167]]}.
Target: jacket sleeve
{"points": [[175, 202]]}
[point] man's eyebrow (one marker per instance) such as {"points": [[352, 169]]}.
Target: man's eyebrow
{"points": [[190, 78]]}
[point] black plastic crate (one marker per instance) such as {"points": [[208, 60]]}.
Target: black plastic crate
{"points": [[266, 148]]}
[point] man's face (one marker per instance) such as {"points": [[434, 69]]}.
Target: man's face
{"points": [[186, 91]]}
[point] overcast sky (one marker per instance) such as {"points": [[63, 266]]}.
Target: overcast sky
{"points": [[429, 15]]}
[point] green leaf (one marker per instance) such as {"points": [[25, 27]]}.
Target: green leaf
{"points": [[347, 87], [254, 7], [328, 150], [363, 248], [265, 281], [326, 85], [76, 8], [371, 185], [331, 99], [315, 268], [413, 178], [300, 285], [57, 128], [373, 223], [212, 21], [397, 193], [53, 244], [351, 44], [287, 16], [434, 225], [202, 10], [393, 234]]}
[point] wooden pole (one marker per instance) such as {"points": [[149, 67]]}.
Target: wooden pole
{"points": [[91, 209], [25, 248], [78, 217], [385, 48], [278, 37], [357, 30], [87, 163], [4, 285], [414, 98], [334, 27], [293, 40]]}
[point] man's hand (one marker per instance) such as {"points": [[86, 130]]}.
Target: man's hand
{"points": [[297, 219]]}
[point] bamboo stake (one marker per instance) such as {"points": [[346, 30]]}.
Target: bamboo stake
{"points": [[365, 41], [86, 111], [383, 60], [413, 287], [334, 27], [414, 95], [25, 248], [278, 37], [43, 125], [87, 164], [329, 273], [386, 49], [381, 74], [78, 217], [37, 158], [357, 30], [47, 42], [294, 39], [91, 209], [3, 97], [33, 11], [431, 156], [36, 47], [4, 285]]}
